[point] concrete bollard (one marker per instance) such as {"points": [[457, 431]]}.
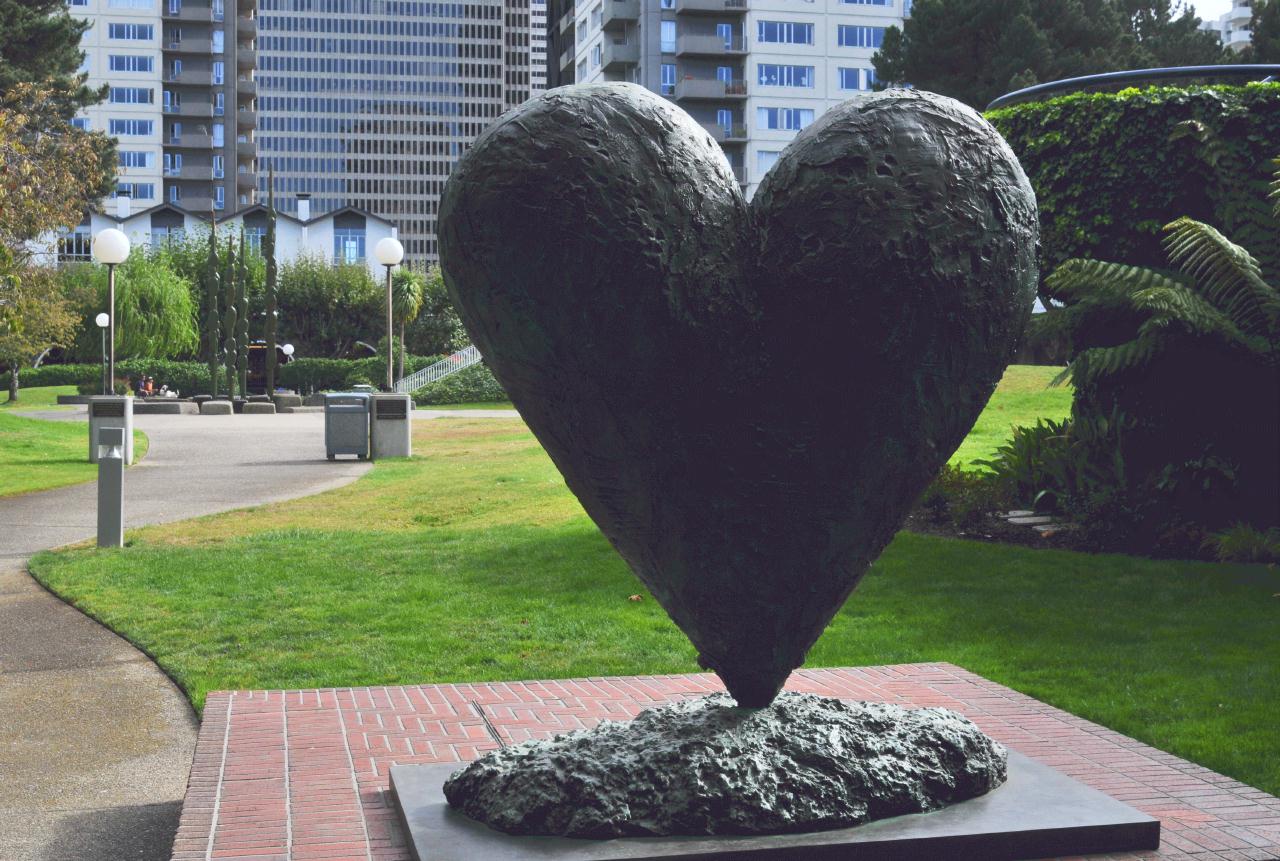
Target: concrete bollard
{"points": [[215, 408], [110, 458], [260, 409]]}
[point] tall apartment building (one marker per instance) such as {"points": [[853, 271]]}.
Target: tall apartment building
{"points": [[368, 103], [1233, 26], [751, 72], [181, 101]]}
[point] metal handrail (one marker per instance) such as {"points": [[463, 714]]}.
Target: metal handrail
{"points": [[441, 369], [1259, 71]]}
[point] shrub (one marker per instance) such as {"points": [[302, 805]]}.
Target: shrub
{"points": [[1109, 169], [1244, 543], [962, 497], [189, 378], [469, 386], [318, 375]]}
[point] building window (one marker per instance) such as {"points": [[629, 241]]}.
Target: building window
{"points": [[783, 119], [219, 166], [857, 36], [765, 159], [175, 132], [668, 37], [172, 164], [777, 75], [596, 17], [868, 2], [785, 32], [668, 4], [130, 127], [131, 95], [724, 119], [175, 194], [219, 104], [162, 236], [219, 134], [219, 71], [253, 237], [218, 11], [219, 41], [135, 158], [595, 55], [348, 245], [134, 32], [75, 245], [81, 123], [869, 78], [77, 2], [135, 190], [668, 79], [129, 63], [175, 69], [219, 197], [175, 7]]}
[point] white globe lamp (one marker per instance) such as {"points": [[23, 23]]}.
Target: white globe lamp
{"points": [[389, 252], [111, 247]]}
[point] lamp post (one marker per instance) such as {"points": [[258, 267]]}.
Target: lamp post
{"points": [[102, 320], [111, 247], [389, 252]]}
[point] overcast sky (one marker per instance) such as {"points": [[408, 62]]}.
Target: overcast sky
{"points": [[1207, 10]]}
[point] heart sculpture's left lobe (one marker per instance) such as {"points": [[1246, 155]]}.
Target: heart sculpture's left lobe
{"points": [[746, 398]]}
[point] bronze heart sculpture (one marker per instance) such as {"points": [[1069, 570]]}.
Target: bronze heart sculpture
{"points": [[746, 398]]}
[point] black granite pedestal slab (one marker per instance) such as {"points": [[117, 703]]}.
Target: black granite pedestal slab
{"points": [[1037, 813]]}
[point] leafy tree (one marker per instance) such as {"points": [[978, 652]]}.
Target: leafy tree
{"points": [[437, 328], [40, 43], [407, 289], [1264, 45], [976, 50], [326, 309], [211, 285], [229, 319], [34, 316], [155, 313]]}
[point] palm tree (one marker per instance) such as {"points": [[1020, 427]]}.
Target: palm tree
{"points": [[407, 290]]}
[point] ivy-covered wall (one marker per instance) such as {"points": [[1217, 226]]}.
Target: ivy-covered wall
{"points": [[1111, 169]]}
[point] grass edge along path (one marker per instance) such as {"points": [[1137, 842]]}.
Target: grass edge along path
{"points": [[472, 562], [40, 454]]}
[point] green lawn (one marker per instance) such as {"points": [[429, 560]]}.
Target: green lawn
{"points": [[1022, 397], [39, 398], [473, 562], [38, 455]]}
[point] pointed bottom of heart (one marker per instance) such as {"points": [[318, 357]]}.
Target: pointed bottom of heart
{"points": [[708, 767]]}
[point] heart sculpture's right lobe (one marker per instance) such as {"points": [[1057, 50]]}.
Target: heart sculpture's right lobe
{"points": [[746, 398]]}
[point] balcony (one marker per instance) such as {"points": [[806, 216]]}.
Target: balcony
{"points": [[566, 59], [196, 173], [246, 26], [195, 204], [245, 179], [188, 46], [618, 54], [711, 46], [190, 141], [710, 89], [246, 56], [618, 12], [739, 173], [190, 77], [711, 7], [566, 22], [246, 149], [247, 86], [246, 118], [199, 110], [186, 14], [726, 134]]}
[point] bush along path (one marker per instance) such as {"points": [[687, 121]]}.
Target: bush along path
{"points": [[96, 742]]}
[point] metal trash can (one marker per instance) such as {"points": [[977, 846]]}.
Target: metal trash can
{"points": [[390, 431], [346, 424]]}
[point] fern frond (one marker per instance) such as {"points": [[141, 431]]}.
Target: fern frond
{"points": [[1079, 278], [1224, 273], [1275, 188], [1184, 308], [1105, 361]]}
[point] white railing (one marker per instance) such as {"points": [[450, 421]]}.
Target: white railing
{"points": [[441, 369]]}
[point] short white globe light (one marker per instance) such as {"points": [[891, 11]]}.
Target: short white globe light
{"points": [[110, 246], [388, 251], [287, 349], [102, 320]]}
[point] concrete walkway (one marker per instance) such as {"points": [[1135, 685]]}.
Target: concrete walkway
{"points": [[96, 742]]}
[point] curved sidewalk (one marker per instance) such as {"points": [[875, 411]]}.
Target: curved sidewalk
{"points": [[96, 742]]}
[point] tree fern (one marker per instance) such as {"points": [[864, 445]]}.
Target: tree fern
{"points": [[1225, 274]]}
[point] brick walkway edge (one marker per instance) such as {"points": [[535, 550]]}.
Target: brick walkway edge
{"points": [[304, 774]]}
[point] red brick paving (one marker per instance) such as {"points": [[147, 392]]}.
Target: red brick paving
{"points": [[303, 774]]}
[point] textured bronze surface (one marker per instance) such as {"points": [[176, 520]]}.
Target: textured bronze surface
{"points": [[704, 766], [746, 398]]}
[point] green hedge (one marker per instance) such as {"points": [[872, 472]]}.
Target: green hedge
{"points": [[471, 385], [1111, 169], [318, 375], [189, 378]]}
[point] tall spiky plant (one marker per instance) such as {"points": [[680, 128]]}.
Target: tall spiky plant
{"points": [[210, 280], [407, 293], [242, 323], [272, 287], [229, 317]]}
